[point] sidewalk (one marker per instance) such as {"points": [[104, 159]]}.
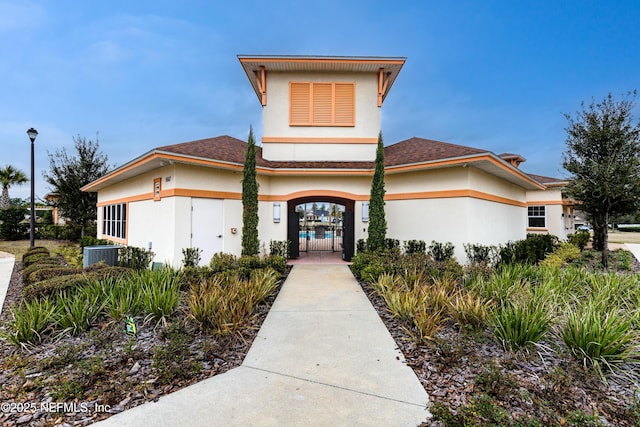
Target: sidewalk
{"points": [[6, 269], [634, 248], [322, 357]]}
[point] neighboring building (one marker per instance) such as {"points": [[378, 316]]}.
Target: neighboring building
{"points": [[550, 210], [321, 125]]}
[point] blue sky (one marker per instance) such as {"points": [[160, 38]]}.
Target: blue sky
{"points": [[496, 75]]}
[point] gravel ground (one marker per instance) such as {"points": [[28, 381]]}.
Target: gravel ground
{"points": [[105, 371]]}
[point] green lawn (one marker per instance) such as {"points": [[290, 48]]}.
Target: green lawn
{"points": [[624, 237], [19, 247]]}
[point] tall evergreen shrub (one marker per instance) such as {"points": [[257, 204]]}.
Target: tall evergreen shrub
{"points": [[250, 242], [377, 219]]}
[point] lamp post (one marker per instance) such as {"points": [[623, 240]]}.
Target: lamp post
{"points": [[32, 221]]}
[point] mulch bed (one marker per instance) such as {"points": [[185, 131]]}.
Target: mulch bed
{"points": [[80, 380], [116, 372]]}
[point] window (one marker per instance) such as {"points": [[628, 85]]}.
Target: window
{"points": [[536, 216], [322, 104], [157, 187], [114, 220]]}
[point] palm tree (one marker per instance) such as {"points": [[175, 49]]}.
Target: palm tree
{"points": [[8, 177]]}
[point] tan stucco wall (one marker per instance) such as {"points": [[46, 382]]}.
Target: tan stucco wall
{"points": [[276, 120]]}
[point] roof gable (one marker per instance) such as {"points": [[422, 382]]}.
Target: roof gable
{"points": [[419, 150]]}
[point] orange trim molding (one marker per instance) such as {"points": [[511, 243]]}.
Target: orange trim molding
{"points": [[546, 202], [310, 193], [537, 229], [453, 194]]}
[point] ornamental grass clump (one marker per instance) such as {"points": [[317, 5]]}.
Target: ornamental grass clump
{"points": [[469, 310], [123, 297], [77, 311], [600, 337], [29, 321], [160, 292], [224, 303], [520, 323], [426, 323]]}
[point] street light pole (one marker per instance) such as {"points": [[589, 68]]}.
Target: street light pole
{"points": [[32, 221]]}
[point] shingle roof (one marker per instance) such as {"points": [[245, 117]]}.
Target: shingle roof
{"points": [[418, 150], [546, 179], [411, 151], [232, 150]]}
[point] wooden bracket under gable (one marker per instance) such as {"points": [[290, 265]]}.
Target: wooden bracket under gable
{"points": [[261, 80], [383, 82]]}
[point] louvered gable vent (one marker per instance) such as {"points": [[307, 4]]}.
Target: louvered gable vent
{"points": [[322, 104]]}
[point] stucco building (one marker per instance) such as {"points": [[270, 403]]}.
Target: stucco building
{"points": [[321, 125]]}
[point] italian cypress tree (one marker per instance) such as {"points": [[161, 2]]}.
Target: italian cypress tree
{"points": [[377, 220], [250, 242]]}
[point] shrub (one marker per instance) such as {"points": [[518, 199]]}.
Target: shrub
{"points": [[48, 273], [33, 258], [135, 258], [520, 323], [275, 262], [279, 248], [191, 257], [29, 321], [42, 264], [72, 255], [93, 241], [191, 276], [361, 246], [414, 246], [11, 227], [531, 250], [564, 253], [221, 262], [391, 243], [35, 250], [480, 254], [441, 251], [579, 239]]}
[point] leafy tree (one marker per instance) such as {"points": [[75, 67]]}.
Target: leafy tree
{"points": [[603, 157], [69, 173], [10, 176], [11, 226], [377, 219], [250, 242]]}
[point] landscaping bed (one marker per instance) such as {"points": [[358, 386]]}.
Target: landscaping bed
{"points": [[79, 378], [476, 373]]}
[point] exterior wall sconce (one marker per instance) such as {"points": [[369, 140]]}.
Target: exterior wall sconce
{"points": [[276, 212], [365, 211]]}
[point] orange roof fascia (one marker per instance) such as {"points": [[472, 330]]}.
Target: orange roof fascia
{"points": [[324, 60], [313, 193]]}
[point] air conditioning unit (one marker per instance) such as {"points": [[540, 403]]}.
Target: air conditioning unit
{"points": [[95, 254]]}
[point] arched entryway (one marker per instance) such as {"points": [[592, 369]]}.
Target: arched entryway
{"points": [[321, 223]]}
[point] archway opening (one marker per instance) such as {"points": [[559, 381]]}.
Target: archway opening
{"points": [[321, 224]]}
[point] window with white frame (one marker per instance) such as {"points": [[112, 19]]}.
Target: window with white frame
{"points": [[536, 216], [114, 220]]}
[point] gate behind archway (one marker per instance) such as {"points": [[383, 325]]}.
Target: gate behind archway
{"points": [[321, 224]]}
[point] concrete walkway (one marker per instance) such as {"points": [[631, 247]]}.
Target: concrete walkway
{"points": [[322, 357], [6, 269], [634, 248]]}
